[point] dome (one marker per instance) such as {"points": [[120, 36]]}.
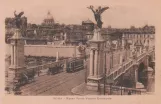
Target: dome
{"points": [[49, 19], [49, 16]]}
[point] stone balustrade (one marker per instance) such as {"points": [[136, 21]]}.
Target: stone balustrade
{"points": [[117, 71], [117, 90]]}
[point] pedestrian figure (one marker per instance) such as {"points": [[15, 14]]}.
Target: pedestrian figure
{"points": [[38, 72], [129, 93]]}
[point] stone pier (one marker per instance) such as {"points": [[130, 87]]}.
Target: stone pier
{"points": [[17, 60], [96, 61]]}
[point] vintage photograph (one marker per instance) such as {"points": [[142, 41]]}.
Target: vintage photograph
{"points": [[95, 48]]}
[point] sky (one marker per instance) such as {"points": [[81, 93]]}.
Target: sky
{"points": [[122, 13]]}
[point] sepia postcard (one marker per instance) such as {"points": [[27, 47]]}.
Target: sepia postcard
{"points": [[78, 51]]}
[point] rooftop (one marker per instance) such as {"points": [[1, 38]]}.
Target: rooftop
{"points": [[87, 21]]}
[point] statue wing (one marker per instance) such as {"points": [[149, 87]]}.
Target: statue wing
{"points": [[20, 14], [103, 9]]}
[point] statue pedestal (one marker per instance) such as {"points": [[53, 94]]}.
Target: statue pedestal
{"points": [[96, 62], [17, 66], [93, 83]]}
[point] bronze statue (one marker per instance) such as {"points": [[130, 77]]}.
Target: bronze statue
{"points": [[97, 14], [18, 19]]}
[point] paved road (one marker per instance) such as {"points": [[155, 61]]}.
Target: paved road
{"points": [[58, 84]]}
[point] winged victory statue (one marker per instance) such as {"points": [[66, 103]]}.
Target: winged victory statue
{"points": [[18, 19], [97, 14]]}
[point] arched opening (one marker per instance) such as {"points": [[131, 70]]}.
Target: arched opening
{"points": [[127, 82], [140, 72]]}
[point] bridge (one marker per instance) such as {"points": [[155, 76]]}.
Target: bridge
{"points": [[133, 73], [126, 73]]}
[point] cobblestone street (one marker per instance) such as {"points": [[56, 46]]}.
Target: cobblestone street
{"points": [[58, 84]]}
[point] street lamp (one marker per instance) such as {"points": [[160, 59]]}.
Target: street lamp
{"points": [[105, 76], [122, 81], [122, 74], [82, 50], [110, 82], [85, 57], [107, 81]]}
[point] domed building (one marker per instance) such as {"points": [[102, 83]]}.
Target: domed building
{"points": [[88, 25], [49, 20]]}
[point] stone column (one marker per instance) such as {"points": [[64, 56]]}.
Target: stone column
{"points": [[99, 63], [147, 61], [150, 80], [25, 42], [15, 56], [17, 60], [94, 81], [57, 56], [91, 63], [12, 58], [65, 65], [123, 42], [140, 50], [121, 58], [131, 54], [136, 75], [100, 68], [134, 72], [95, 62]]}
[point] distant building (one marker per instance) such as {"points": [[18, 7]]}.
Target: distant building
{"points": [[88, 27], [35, 41], [49, 20]]}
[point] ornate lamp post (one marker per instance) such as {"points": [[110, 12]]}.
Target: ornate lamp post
{"points": [[122, 79], [85, 57], [82, 50], [105, 75]]}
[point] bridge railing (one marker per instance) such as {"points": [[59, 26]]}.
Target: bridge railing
{"points": [[119, 70], [115, 73], [117, 90]]}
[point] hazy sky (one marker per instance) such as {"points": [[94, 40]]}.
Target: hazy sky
{"points": [[122, 13]]}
